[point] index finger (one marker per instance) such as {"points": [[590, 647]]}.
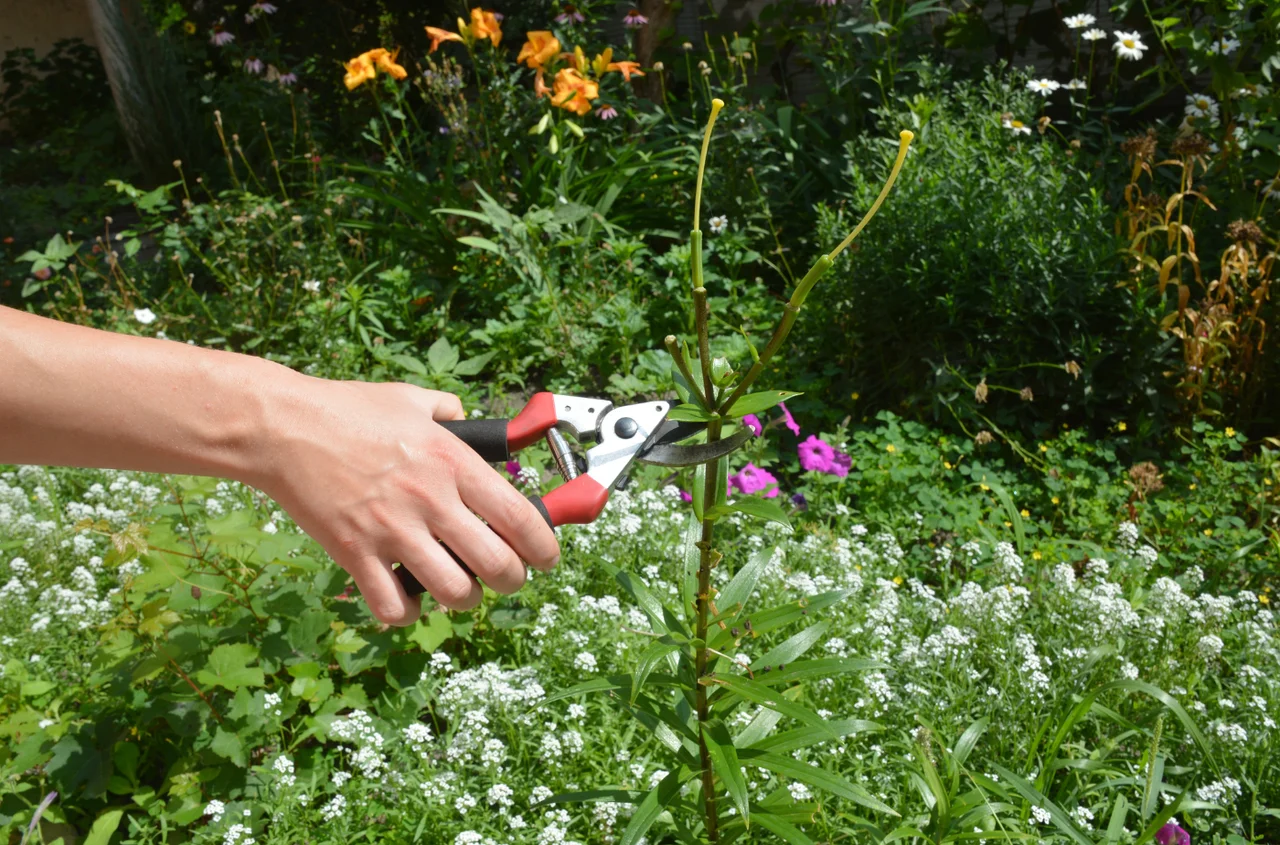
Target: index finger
{"points": [[511, 516]]}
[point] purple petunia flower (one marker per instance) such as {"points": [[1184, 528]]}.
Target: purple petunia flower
{"points": [[634, 20], [751, 479], [816, 455], [752, 422], [1173, 834], [513, 468], [606, 112], [800, 501], [253, 64], [789, 420]]}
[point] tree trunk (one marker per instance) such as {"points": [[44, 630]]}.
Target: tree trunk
{"points": [[659, 29]]}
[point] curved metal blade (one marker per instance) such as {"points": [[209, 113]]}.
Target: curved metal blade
{"points": [[672, 431], [667, 455]]}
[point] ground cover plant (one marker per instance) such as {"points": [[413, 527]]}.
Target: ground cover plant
{"points": [[1018, 582]]}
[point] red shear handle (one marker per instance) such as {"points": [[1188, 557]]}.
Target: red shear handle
{"points": [[533, 421], [576, 502]]}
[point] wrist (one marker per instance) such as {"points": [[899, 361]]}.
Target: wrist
{"points": [[269, 407]]}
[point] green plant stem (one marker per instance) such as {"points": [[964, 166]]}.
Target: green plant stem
{"points": [[682, 364], [705, 556], [702, 314], [789, 313]]}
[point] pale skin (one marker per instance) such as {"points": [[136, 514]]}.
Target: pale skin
{"points": [[363, 468]]}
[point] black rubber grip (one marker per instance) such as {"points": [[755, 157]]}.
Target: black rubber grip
{"points": [[411, 585], [488, 438]]}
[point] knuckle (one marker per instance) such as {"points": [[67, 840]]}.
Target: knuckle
{"points": [[499, 561], [388, 612], [455, 591], [520, 516]]}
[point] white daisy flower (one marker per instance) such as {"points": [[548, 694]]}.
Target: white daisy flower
{"points": [[1129, 45], [1202, 105], [1043, 87], [1224, 46], [1017, 127], [144, 315], [718, 224], [1075, 85], [1093, 34], [1079, 21]]}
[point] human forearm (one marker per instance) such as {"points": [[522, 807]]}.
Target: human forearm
{"points": [[158, 406]]}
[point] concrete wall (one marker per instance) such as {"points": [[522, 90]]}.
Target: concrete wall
{"points": [[39, 24]]}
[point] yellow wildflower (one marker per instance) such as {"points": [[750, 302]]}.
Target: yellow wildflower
{"points": [[897, 579], [1231, 432], [1208, 532], [1025, 513], [189, 27], [1055, 500], [854, 396], [984, 488], [1263, 599], [947, 464], [1036, 555], [1044, 448], [1122, 426], [539, 49], [891, 448]]}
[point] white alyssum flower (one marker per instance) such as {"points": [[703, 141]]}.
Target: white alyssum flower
{"points": [[1079, 21], [216, 809], [1041, 815], [336, 807], [585, 662], [1224, 46], [1043, 87], [144, 315], [1129, 45], [718, 224], [1093, 34]]}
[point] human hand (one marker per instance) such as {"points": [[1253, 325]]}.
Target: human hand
{"points": [[366, 470]]}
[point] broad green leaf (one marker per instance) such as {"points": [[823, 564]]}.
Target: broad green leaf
{"points": [[442, 357], [103, 827], [766, 509], [699, 491], [968, 739], [431, 632], [409, 363], [724, 761], [652, 805], [227, 744], [766, 697], [814, 776], [787, 651], [791, 740], [754, 403], [473, 366], [689, 413], [1060, 819], [480, 243], [228, 667]]}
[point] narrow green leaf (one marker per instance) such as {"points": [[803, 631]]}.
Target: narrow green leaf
{"points": [[766, 697], [968, 739], [659, 615], [759, 728], [787, 651], [786, 831], [814, 776], [941, 799], [652, 656], [724, 761], [621, 796], [753, 506], [743, 584], [652, 805], [1060, 819], [1119, 814], [791, 740], [480, 243], [823, 667], [1161, 819], [689, 413], [754, 403], [775, 617]]}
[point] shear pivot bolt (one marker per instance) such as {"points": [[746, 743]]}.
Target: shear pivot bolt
{"points": [[626, 428]]}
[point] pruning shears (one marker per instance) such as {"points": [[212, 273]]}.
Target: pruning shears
{"points": [[621, 434]]}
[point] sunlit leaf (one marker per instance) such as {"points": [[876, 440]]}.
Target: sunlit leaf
{"points": [[724, 760], [814, 776], [754, 403]]}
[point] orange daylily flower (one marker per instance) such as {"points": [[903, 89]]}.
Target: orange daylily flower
{"points": [[540, 86], [485, 25], [574, 92], [627, 69], [577, 59], [359, 71], [386, 62], [438, 36], [600, 63], [541, 47]]}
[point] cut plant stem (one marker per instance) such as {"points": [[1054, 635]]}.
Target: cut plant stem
{"points": [[682, 364], [816, 272]]}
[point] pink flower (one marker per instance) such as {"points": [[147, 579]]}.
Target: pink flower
{"points": [[570, 14], [221, 37], [42, 274], [634, 20], [606, 112], [840, 465], [263, 8], [1173, 834], [686, 496], [816, 455], [288, 79], [253, 64], [789, 420], [513, 468], [752, 422], [751, 479]]}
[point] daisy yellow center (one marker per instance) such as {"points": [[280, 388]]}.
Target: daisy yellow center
{"points": [[1017, 124], [1128, 42]]}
